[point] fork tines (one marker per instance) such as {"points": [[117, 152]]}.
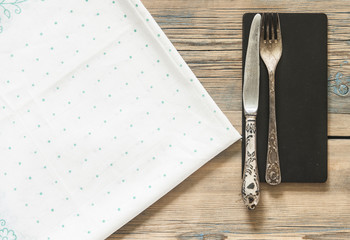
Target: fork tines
{"points": [[270, 52], [270, 26]]}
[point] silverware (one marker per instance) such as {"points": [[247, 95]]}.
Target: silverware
{"points": [[250, 186], [270, 52]]}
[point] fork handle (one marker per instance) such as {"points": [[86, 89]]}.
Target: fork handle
{"points": [[250, 186], [273, 171]]}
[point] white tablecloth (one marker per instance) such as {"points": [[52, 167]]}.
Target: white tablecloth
{"points": [[99, 118]]}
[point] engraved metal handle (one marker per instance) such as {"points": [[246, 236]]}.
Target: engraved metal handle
{"points": [[273, 171], [250, 186]]}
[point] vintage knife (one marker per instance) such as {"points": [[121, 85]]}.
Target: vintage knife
{"points": [[250, 186]]}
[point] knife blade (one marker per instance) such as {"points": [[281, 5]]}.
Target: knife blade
{"points": [[250, 185]]}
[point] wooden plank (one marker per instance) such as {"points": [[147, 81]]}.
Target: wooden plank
{"points": [[208, 36], [338, 125], [208, 205]]}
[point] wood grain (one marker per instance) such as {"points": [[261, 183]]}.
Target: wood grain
{"points": [[208, 205], [208, 36]]}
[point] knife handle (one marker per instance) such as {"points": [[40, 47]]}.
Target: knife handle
{"points": [[273, 171], [250, 186]]}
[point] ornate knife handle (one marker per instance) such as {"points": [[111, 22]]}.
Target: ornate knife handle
{"points": [[250, 186], [273, 171]]}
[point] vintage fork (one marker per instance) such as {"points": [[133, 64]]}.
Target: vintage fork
{"points": [[270, 52]]}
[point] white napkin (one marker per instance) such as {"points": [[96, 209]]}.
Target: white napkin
{"points": [[99, 118]]}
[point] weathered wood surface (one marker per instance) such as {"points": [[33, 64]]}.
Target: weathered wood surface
{"points": [[208, 204], [208, 36]]}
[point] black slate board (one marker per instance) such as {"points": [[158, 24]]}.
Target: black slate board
{"points": [[301, 99]]}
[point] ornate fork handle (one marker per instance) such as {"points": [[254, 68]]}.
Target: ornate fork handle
{"points": [[250, 186], [271, 52], [273, 172]]}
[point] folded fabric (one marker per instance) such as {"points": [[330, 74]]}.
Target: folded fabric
{"points": [[99, 118]]}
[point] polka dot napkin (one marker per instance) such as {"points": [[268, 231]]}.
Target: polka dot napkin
{"points": [[99, 118]]}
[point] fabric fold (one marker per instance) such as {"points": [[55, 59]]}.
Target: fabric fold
{"points": [[99, 118]]}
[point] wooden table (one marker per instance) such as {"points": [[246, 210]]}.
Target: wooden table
{"points": [[208, 204]]}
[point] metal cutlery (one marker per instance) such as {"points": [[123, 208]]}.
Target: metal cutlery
{"points": [[250, 185], [270, 52]]}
